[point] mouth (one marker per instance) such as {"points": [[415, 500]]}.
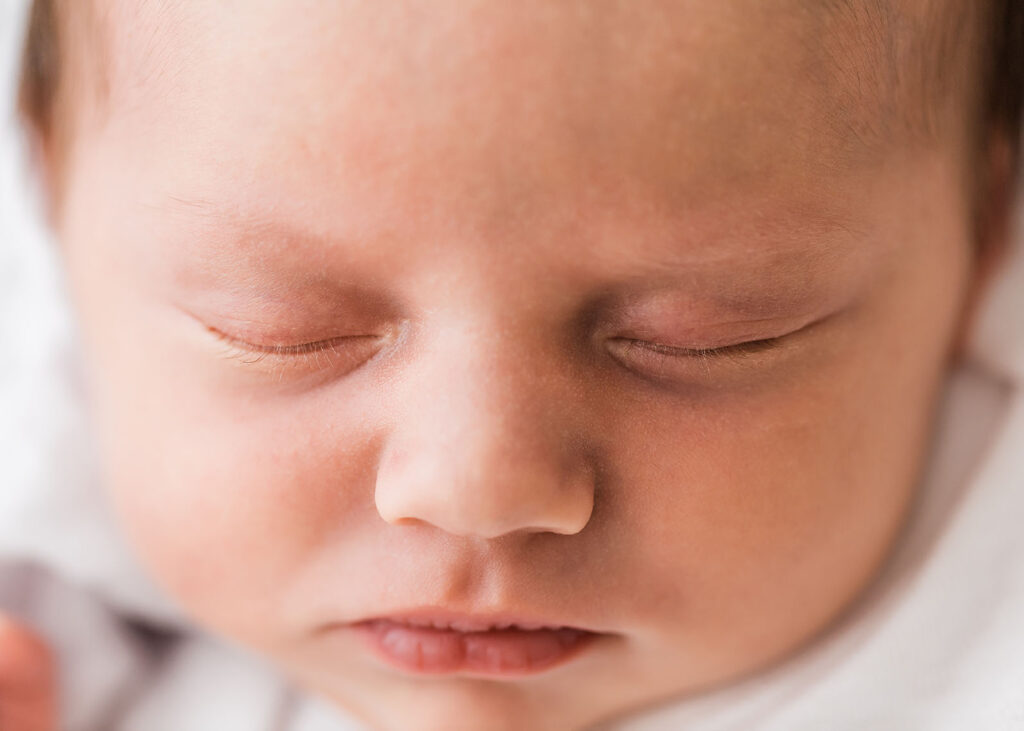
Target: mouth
{"points": [[438, 642]]}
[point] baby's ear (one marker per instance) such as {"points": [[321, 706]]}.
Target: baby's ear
{"points": [[993, 225]]}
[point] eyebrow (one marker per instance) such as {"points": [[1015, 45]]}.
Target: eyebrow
{"points": [[235, 230], [784, 280], [823, 228], [761, 276]]}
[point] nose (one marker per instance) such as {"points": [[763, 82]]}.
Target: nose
{"points": [[486, 444]]}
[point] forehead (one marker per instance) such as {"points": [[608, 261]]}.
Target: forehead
{"points": [[587, 71], [486, 111]]}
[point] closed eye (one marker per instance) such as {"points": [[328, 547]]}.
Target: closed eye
{"points": [[346, 352], [738, 349], [672, 363]]}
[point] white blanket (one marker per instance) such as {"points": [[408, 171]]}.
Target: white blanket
{"points": [[937, 643]]}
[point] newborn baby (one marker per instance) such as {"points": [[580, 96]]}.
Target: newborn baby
{"points": [[520, 365]]}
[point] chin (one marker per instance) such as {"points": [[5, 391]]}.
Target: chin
{"points": [[453, 704]]}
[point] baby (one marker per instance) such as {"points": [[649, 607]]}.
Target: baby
{"points": [[520, 365]]}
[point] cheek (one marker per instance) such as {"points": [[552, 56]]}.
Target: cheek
{"points": [[768, 517], [227, 508]]}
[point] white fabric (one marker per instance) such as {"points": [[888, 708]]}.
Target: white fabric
{"points": [[937, 643]]}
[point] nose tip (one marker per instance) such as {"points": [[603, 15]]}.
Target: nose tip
{"points": [[467, 498]]}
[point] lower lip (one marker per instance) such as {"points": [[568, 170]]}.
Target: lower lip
{"points": [[509, 652]]}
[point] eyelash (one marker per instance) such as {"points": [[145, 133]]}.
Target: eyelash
{"points": [[737, 350], [321, 354], [303, 354], [671, 363]]}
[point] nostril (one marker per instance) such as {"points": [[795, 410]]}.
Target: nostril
{"points": [[487, 508], [409, 522], [393, 512]]}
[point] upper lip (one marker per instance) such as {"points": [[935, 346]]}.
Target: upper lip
{"points": [[442, 618]]}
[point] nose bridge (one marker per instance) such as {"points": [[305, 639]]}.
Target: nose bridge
{"points": [[486, 443]]}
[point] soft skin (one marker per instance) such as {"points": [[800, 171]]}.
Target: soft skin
{"points": [[491, 201]]}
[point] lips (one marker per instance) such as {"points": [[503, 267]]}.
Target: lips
{"points": [[475, 625], [432, 641]]}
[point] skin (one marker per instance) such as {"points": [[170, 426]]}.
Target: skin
{"points": [[28, 697], [491, 201]]}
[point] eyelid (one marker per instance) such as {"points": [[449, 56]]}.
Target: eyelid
{"points": [[308, 355], [739, 350], [748, 347], [671, 363], [275, 349]]}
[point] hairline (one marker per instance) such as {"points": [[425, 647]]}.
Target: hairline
{"points": [[911, 78]]}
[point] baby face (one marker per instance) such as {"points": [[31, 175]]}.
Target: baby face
{"points": [[601, 316]]}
